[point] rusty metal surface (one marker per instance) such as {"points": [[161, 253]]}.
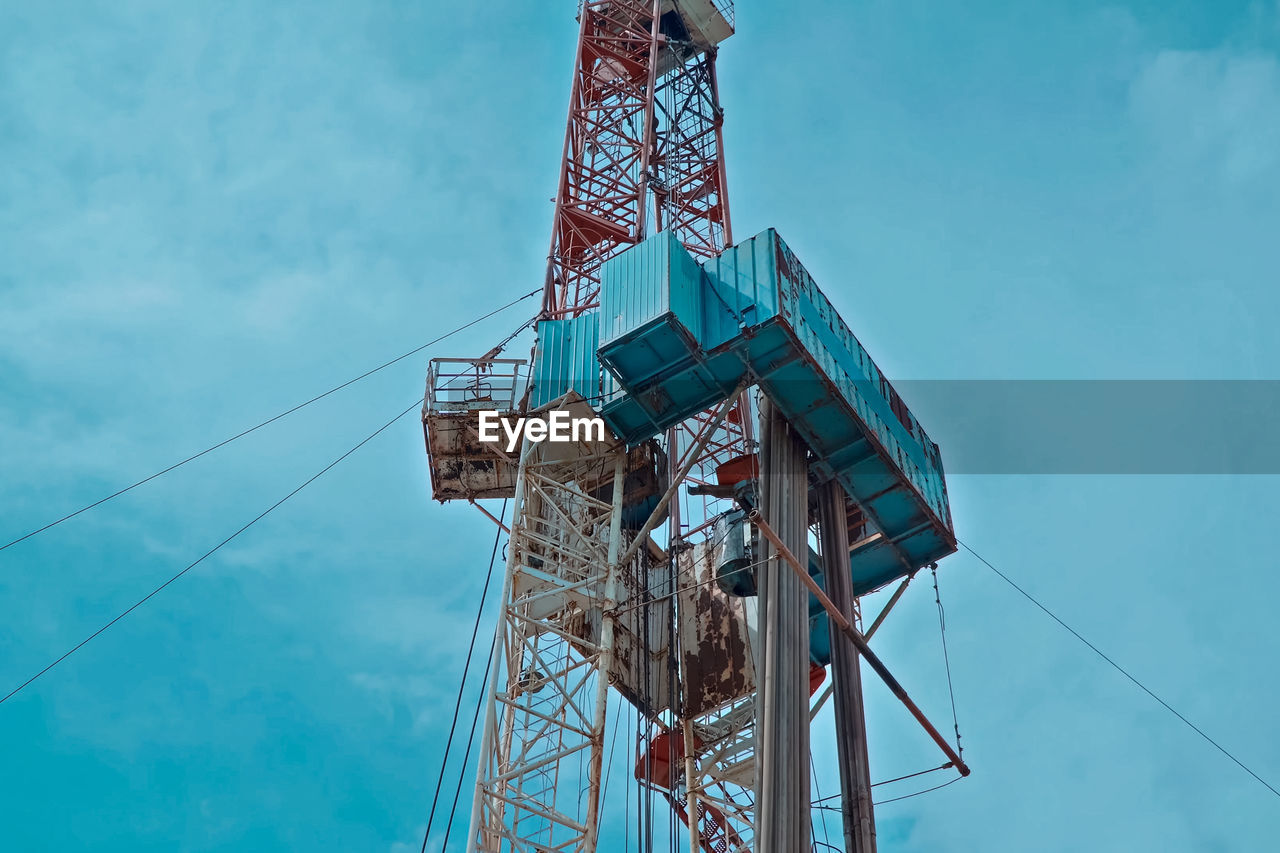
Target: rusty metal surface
{"points": [[643, 630], [645, 476], [717, 662], [465, 468], [462, 468], [706, 23], [642, 665], [716, 649]]}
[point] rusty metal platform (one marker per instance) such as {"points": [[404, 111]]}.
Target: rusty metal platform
{"points": [[463, 467]]}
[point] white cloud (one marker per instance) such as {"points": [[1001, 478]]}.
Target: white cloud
{"points": [[1214, 112]]}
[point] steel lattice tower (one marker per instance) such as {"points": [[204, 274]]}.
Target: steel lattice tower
{"points": [[666, 558], [643, 151]]}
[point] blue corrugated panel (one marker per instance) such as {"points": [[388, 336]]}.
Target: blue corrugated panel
{"points": [[762, 315], [652, 300], [565, 359], [842, 359], [644, 284], [741, 293], [650, 310], [813, 368]]}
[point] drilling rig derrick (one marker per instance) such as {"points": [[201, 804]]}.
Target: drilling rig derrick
{"points": [[741, 423]]}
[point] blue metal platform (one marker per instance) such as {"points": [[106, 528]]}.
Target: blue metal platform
{"points": [[678, 336]]}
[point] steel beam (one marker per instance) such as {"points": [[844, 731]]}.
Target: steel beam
{"points": [[846, 678], [782, 679], [608, 621], [859, 641]]}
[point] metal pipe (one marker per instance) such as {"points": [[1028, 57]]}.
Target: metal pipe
{"points": [[720, 164], [856, 637], [690, 770], [650, 122], [857, 810], [604, 665], [491, 517], [690, 762], [869, 633], [782, 719], [897, 594]]}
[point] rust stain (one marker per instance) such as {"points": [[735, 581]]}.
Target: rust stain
{"points": [[716, 648]]}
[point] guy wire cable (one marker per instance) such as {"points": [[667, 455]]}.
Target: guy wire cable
{"points": [[268, 421], [466, 671], [15, 691], [1121, 670]]}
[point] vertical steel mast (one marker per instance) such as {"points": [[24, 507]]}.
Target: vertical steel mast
{"points": [[644, 139], [600, 200], [598, 593], [644, 115]]}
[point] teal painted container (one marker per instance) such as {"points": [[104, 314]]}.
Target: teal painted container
{"points": [[564, 360], [652, 302], [741, 291], [842, 360], [654, 278], [650, 306], [628, 419], [809, 363], [760, 280], [762, 317]]}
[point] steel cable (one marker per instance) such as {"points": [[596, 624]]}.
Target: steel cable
{"points": [[193, 457], [466, 756], [466, 671], [208, 553], [946, 658], [1121, 670]]}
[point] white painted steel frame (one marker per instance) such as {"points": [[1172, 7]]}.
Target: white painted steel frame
{"points": [[548, 685]]}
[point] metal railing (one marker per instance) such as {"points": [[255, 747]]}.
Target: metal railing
{"points": [[725, 7], [474, 384]]}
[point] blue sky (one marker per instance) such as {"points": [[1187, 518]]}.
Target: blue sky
{"points": [[209, 212]]}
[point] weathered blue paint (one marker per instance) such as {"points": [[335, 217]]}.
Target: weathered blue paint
{"points": [[742, 292], [814, 369], [564, 360], [762, 316], [650, 308], [653, 302]]}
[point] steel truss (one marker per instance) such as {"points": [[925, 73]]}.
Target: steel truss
{"points": [[600, 201], [632, 129], [555, 637], [644, 136], [688, 175], [720, 777], [691, 198]]}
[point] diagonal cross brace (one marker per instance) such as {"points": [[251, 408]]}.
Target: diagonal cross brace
{"points": [[859, 641]]}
